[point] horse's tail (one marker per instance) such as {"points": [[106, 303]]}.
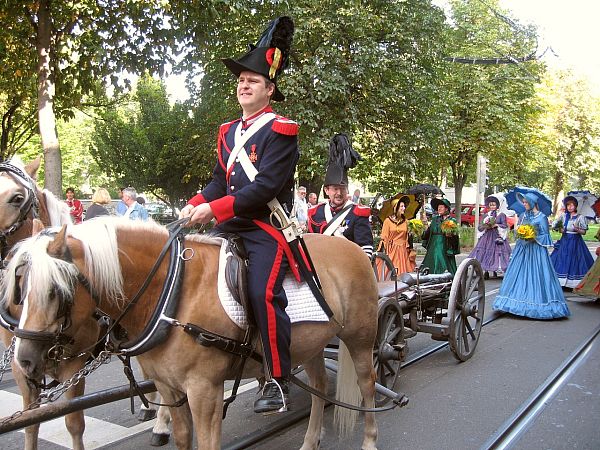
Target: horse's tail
{"points": [[347, 391]]}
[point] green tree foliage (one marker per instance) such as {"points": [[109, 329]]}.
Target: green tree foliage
{"points": [[80, 171], [69, 46], [363, 68], [569, 142], [491, 107], [147, 144]]}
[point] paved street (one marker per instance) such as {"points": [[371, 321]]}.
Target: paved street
{"points": [[452, 405]]}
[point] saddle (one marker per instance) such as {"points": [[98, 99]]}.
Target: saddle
{"points": [[236, 273]]}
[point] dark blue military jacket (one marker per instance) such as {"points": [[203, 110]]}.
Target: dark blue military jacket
{"points": [[355, 226], [274, 152]]}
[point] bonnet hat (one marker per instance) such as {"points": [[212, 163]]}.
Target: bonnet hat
{"points": [[435, 202], [530, 198], [570, 199], [396, 202], [491, 198]]}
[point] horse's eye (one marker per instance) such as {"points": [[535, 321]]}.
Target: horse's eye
{"points": [[17, 200]]}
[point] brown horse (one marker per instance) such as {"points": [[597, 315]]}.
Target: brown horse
{"points": [[115, 257], [21, 200]]}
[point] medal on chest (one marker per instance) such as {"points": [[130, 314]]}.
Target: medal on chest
{"points": [[253, 157]]}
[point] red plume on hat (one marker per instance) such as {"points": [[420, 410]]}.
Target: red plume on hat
{"points": [[270, 56]]}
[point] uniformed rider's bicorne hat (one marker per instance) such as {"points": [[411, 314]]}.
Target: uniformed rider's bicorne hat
{"points": [[270, 56], [341, 158]]}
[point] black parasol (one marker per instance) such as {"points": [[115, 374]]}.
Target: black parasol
{"points": [[425, 189]]}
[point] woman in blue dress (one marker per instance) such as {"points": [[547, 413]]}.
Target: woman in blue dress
{"points": [[571, 257], [492, 249], [530, 287]]}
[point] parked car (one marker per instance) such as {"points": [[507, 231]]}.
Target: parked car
{"points": [[161, 213], [467, 216]]}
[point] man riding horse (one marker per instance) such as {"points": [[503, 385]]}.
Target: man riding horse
{"points": [[266, 144], [340, 216]]}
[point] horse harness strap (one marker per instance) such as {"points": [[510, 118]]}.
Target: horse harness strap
{"points": [[156, 330], [31, 204], [244, 350]]}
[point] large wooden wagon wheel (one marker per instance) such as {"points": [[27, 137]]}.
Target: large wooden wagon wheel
{"points": [[390, 346], [386, 271], [466, 306]]}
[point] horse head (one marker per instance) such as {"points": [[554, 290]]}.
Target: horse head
{"points": [[17, 191], [43, 277]]}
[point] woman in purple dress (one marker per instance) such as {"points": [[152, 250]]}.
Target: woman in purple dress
{"points": [[492, 249]]}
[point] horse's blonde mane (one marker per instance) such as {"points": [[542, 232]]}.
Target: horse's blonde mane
{"points": [[58, 211], [44, 271], [16, 161], [98, 237]]}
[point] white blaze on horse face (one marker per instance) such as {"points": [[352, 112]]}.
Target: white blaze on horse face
{"points": [[23, 318]]}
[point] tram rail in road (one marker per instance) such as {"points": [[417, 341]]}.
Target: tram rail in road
{"points": [[526, 414], [293, 417]]}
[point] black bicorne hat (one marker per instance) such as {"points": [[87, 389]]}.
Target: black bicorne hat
{"points": [[270, 56], [341, 158]]}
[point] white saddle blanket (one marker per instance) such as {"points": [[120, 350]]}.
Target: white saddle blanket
{"points": [[302, 304]]}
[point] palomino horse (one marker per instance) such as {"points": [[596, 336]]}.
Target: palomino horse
{"points": [[107, 260], [20, 201]]}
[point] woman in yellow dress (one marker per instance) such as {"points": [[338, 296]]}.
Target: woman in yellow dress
{"points": [[395, 239]]}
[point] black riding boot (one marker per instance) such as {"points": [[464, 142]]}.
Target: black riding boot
{"points": [[274, 397]]}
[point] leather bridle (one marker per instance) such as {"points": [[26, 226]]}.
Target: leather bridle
{"points": [[30, 205]]}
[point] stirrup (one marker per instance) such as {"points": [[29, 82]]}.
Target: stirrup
{"points": [[284, 407]]}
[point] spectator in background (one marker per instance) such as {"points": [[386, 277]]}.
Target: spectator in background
{"points": [[135, 211], [121, 206], [75, 206], [100, 198], [300, 209], [312, 199], [356, 197]]}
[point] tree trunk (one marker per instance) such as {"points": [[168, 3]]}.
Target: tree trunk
{"points": [[46, 91], [458, 186], [559, 179]]}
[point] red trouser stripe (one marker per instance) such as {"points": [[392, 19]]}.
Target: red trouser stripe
{"points": [[271, 316], [278, 236]]}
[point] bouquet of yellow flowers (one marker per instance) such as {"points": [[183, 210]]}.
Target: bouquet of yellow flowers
{"points": [[526, 232], [449, 227], [415, 227]]}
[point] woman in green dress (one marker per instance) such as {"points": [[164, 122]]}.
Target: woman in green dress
{"points": [[441, 239]]}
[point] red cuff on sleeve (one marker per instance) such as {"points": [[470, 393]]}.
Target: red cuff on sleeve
{"points": [[222, 208], [196, 200]]}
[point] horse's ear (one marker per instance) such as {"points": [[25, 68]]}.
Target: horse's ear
{"points": [[32, 167], [37, 226], [58, 247]]}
